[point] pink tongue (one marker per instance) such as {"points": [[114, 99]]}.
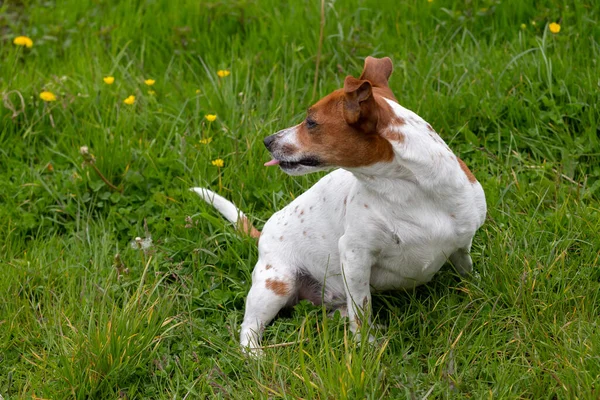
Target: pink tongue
{"points": [[272, 162]]}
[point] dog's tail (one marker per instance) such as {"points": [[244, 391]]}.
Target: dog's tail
{"points": [[229, 211]]}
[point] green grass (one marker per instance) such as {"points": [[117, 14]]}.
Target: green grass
{"points": [[519, 105]]}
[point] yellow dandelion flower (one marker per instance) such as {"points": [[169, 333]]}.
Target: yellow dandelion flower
{"points": [[217, 163], [210, 117], [430, 1], [554, 27], [130, 100], [151, 92], [206, 141], [23, 41], [47, 96], [109, 80], [198, 91], [149, 82], [223, 73], [523, 26]]}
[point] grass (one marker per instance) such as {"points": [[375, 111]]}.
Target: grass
{"points": [[86, 313]]}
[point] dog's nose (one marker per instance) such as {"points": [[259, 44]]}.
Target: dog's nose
{"points": [[269, 141]]}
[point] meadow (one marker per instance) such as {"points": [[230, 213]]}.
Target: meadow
{"points": [[117, 282]]}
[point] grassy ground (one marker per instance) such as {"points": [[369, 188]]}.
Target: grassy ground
{"points": [[84, 313]]}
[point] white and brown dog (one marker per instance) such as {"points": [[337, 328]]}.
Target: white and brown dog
{"points": [[398, 208]]}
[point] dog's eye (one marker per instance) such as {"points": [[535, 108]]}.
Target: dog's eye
{"points": [[310, 123]]}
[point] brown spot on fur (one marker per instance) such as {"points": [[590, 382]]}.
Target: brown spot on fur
{"points": [[304, 233], [430, 128], [393, 135], [280, 288], [246, 227], [467, 171], [281, 238], [366, 206], [288, 149], [268, 266], [302, 212], [345, 200], [452, 216]]}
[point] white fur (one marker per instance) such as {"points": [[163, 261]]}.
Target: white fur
{"points": [[386, 226]]}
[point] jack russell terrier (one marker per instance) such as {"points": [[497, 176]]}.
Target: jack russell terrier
{"points": [[399, 206]]}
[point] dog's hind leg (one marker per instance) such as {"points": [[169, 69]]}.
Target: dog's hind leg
{"points": [[273, 287], [462, 261]]}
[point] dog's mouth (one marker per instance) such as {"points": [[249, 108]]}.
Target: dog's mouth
{"points": [[303, 162]]}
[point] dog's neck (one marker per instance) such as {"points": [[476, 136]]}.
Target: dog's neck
{"points": [[421, 157]]}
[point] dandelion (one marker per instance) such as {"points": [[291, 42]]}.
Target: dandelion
{"points": [[130, 100], [554, 27], [222, 73], [141, 244], [23, 41], [217, 163], [206, 141], [47, 96], [151, 92], [149, 82], [430, 1], [109, 80], [198, 91], [523, 26], [210, 117]]}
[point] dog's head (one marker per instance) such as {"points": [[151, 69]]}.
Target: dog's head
{"points": [[343, 129]]}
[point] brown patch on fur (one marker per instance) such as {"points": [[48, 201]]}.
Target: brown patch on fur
{"points": [[334, 142], [366, 206], [350, 122], [268, 266], [466, 170], [353, 125], [388, 123], [246, 227], [394, 136], [281, 238], [280, 288]]}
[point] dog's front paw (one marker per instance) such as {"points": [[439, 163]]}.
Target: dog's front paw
{"points": [[358, 338], [253, 352]]}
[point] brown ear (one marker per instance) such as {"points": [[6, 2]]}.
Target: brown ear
{"points": [[377, 71], [356, 92]]}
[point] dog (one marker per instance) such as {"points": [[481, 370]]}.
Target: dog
{"points": [[397, 208]]}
